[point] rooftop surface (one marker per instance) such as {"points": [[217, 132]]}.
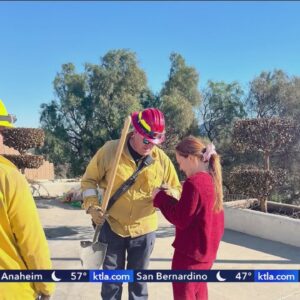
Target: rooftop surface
{"points": [[65, 226]]}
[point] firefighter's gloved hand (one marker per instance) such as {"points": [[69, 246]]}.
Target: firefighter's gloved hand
{"points": [[97, 214]]}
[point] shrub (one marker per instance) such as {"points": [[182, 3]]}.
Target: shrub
{"points": [[266, 135], [23, 139], [25, 161]]}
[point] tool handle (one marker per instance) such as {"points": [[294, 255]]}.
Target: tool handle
{"points": [[111, 179]]}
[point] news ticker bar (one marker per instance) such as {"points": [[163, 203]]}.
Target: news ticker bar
{"points": [[149, 275]]}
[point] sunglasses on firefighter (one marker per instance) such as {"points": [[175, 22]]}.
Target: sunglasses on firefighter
{"points": [[146, 142]]}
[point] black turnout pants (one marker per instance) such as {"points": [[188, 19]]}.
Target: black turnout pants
{"points": [[138, 252]]}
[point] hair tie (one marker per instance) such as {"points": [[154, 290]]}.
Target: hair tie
{"points": [[210, 150]]}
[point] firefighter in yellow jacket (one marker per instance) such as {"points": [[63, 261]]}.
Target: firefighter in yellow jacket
{"points": [[130, 227], [23, 244]]}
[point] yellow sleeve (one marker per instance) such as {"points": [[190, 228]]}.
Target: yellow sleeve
{"points": [[171, 178], [26, 226], [94, 172]]}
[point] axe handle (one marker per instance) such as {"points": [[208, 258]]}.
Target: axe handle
{"points": [[112, 176]]}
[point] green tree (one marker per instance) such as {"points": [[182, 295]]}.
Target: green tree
{"points": [[289, 192], [182, 79], [90, 108], [179, 98], [268, 94], [222, 105], [149, 99], [179, 117], [275, 94]]}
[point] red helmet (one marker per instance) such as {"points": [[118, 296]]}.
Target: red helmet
{"points": [[150, 123]]}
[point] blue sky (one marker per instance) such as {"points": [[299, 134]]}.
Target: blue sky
{"points": [[223, 40]]}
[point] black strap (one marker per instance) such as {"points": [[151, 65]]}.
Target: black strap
{"points": [[147, 161]]}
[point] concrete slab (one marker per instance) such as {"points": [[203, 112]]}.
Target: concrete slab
{"points": [[65, 226]]}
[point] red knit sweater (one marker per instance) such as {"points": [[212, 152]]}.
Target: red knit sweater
{"points": [[198, 229]]}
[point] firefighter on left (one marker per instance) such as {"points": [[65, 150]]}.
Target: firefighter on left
{"points": [[23, 245]]}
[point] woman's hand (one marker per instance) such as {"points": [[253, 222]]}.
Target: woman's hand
{"points": [[155, 192]]}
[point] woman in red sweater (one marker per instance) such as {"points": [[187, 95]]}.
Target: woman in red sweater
{"points": [[198, 216]]}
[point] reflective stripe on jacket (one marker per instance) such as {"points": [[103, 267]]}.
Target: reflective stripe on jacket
{"points": [[133, 213]]}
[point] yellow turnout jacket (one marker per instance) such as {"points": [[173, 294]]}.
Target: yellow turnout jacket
{"points": [[133, 213], [23, 244]]}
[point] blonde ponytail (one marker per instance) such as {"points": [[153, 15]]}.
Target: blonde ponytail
{"points": [[215, 170]]}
